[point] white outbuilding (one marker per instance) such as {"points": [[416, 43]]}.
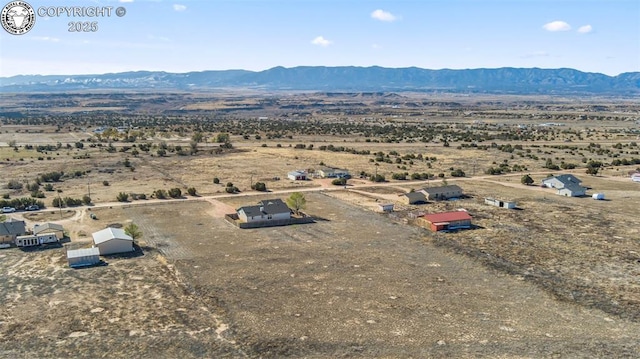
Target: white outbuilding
{"points": [[598, 196], [112, 241], [83, 257]]}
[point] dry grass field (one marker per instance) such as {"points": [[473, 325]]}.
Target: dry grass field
{"points": [[556, 278]]}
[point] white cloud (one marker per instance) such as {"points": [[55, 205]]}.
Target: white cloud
{"points": [[557, 26], [376, 46], [178, 7], [585, 29], [321, 41], [125, 0], [46, 38], [383, 16]]}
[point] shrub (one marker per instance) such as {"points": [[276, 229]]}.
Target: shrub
{"points": [[175, 193], [105, 183], [216, 180], [457, 173], [259, 186], [86, 200], [122, 197], [339, 181], [13, 184], [191, 191]]}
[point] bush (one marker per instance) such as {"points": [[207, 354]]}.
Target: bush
{"points": [[105, 183], [231, 189], [160, 194], [259, 186], [86, 200], [216, 180], [526, 180], [457, 173], [122, 197], [13, 184], [377, 178], [339, 181], [175, 193], [48, 187], [191, 191]]}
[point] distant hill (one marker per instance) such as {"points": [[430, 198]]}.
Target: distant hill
{"points": [[319, 78]]}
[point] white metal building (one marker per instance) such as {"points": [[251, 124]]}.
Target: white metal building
{"points": [[112, 241], [83, 257]]}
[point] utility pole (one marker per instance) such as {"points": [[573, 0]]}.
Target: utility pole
{"points": [[60, 204], [88, 187]]}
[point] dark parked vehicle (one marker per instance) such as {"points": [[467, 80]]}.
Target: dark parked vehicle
{"points": [[33, 207]]}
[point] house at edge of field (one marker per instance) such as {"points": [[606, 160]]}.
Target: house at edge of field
{"points": [[47, 228], [448, 220], [327, 172], [442, 192], [112, 241], [501, 204], [297, 175], [83, 257], [414, 198], [31, 240], [566, 185], [265, 211], [10, 230]]}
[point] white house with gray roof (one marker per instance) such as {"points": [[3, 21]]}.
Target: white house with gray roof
{"points": [[566, 185], [264, 211]]}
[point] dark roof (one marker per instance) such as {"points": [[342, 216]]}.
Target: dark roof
{"points": [[573, 187], [447, 216], [274, 206], [269, 206], [12, 228], [565, 179], [251, 211], [442, 189]]}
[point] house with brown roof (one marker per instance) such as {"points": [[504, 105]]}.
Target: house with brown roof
{"points": [[447, 221]]}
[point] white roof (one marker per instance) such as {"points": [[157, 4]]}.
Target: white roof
{"points": [[41, 227], [110, 233], [84, 252]]}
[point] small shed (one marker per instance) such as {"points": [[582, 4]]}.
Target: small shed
{"points": [[414, 198], [501, 204], [298, 175], [598, 196], [385, 207], [112, 241], [83, 257]]}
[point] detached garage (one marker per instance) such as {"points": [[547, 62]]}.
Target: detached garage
{"points": [[83, 257], [112, 241]]}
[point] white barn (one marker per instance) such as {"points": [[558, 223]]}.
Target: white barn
{"points": [[501, 204], [112, 241], [83, 257]]}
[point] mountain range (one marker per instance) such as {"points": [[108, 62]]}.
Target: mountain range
{"points": [[504, 80]]}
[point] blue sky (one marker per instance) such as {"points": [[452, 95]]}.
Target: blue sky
{"points": [[181, 36]]}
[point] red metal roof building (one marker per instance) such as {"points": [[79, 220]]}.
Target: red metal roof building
{"points": [[448, 220]]}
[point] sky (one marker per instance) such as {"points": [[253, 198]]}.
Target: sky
{"points": [[181, 36]]}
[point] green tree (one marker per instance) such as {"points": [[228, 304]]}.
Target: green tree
{"points": [[296, 202], [86, 200], [526, 180], [197, 137], [592, 170], [216, 180], [123, 197], [260, 186], [223, 138], [191, 191], [175, 192], [133, 231], [339, 182]]}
